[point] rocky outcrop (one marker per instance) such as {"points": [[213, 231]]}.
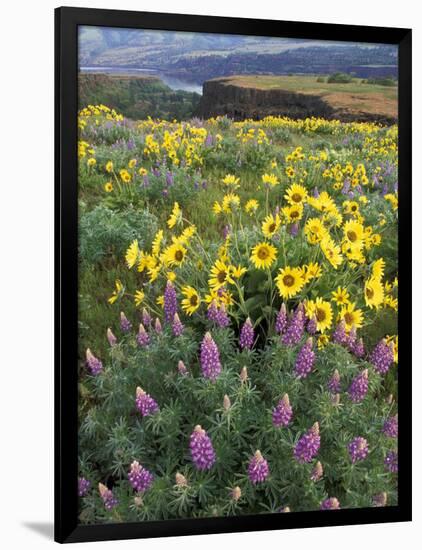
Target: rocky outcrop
{"points": [[223, 96]]}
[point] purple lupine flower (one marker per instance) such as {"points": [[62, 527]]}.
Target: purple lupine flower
{"points": [[380, 500], [391, 427], [139, 477], [93, 363], [382, 357], [282, 414], [226, 231], [294, 229], [110, 501], [358, 348], [157, 326], [146, 318], [221, 318], [247, 335], [142, 337], [170, 302], [201, 449], [331, 503], [308, 445], [305, 360], [333, 384], [351, 339], [281, 321], [295, 328], [145, 180], [359, 387], [112, 340], [169, 179], [258, 469], [391, 462], [315, 192], [317, 472], [212, 311], [358, 449], [177, 326], [311, 325], [145, 404], [83, 486], [210, 358], [339, 335], [181, 368], [125, 324]]}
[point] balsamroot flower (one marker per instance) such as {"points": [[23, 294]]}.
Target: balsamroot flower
{"points": [[281, 320], [112, 340], [178, 327], [334, 385], [258, 469], [382, 356], [391, 462], [317, 472], [210, 358], [247, 335], [125, 324], [201, 449], [295, 328], [282, 414], [358, 449], [391, 426], [308, 445], [110, 501], [139, 477], [170, 302], [331, 503], [145, 404], [83, 486], [359, 387], [142, 337], [305, 360], [93, 364], [182, 368]]}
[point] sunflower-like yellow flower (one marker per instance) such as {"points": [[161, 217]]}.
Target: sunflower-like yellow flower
{"points": [[331, 251], [340, 296], [238, 271], [289, 281], [352, 316], [378, 268], [251, 206], [293, 213], [322, 311], [191, 300], [142, 171], [156, 243], [146, 261], [311, 271], [117, 292], [270, 179], [108, 187], [220, 275], [263, 255], [315, 230], [109, 166], [132, 254], [374, 292], [174, 255], [392, 199], [231, 181], [230, 202], [323, 203], [354, 233], [132, 163], [395, 341], [296, 194], [217, 208], [271, 225], [139, 297], [91, 161], [125, 176], [175, 217]]}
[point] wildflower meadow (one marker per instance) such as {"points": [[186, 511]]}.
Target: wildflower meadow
{"points": [[237, 316]]}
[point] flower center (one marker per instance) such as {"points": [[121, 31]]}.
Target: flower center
{"points": [[370, 293], [320, 315], [194, 300], [221, 277], [263, 253], [296, 197], [271, 228], [288, 280], [179, 255], [351, 235], [348, 317]]}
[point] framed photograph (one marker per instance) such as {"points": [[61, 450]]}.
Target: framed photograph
{"points": [[233, 260]]}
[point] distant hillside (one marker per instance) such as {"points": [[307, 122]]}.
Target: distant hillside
{"points": [[137, 97], [256, 96]]}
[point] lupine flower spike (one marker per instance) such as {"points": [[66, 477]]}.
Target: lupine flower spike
{"points": [[110, 501], [359, 387], [281, 321], [295, 329], [305, 360], [382, 357], [139, 477], [282, 414], [142, 337], [391, 427], [201, 449], [177, 326], [112, 340], [182, 368], [145, 404], [308, 445], [83, 486], [247, 335], [146, 318], [334, 382], [210, 358], [170, 302], [358, 449], [258, 469], [125, 324], [93, 364], [391, 462], [157, 326], [317, 472], [331, 503]]}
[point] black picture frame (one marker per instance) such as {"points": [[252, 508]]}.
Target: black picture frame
{"points": [[67, 20]]}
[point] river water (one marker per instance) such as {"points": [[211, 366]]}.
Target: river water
{"points": [[173, 82]]}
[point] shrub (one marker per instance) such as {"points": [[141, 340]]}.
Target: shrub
{"points": [[339, 78]]}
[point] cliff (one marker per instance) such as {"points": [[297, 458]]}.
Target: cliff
{"points": [[241, 97]]}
